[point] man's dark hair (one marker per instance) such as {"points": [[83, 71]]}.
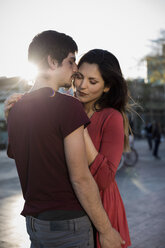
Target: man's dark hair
{"points": [[50, 42]]}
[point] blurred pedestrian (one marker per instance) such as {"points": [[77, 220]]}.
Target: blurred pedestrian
{"points": [[156, 139], [148, 131]]}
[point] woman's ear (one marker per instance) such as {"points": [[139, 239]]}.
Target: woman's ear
{"points": [[52, 63], [106, 89]]}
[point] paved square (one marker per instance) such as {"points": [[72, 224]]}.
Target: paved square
{"points": [[142, 188]]}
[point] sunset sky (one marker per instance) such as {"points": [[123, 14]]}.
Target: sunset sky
{"points": [[124, 27]]}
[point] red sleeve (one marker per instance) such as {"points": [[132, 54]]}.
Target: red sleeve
{"points": [[106, 162]]}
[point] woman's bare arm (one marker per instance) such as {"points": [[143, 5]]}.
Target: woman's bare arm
{"points": [[90, 148]]}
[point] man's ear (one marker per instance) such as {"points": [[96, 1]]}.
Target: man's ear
{"points": [[52, 63], [106, 89]]}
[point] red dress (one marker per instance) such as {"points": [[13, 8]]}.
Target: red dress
{"points": [[107, 133]]}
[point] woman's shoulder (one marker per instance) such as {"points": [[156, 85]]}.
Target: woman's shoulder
{"points": [[110, 112], [111, 117]]}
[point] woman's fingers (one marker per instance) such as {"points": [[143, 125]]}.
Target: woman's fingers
{"points": [[13, 98], [7, 109], [9, 102]]}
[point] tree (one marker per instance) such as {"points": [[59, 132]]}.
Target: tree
{"points": [[156, 61]]}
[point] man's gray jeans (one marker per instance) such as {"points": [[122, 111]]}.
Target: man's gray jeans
{"points": [[74, 233]]}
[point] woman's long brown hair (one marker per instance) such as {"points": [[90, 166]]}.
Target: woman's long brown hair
{"points": [[118, 95]]}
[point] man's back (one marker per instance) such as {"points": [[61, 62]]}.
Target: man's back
{"points": [[37, 126], [43, 132]]}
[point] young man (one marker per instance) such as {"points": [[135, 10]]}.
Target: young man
{"points": [[46, 140]]}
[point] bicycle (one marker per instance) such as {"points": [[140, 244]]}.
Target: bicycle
{"points": [[129, 158]]}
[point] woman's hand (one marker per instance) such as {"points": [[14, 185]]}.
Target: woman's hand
{"points": [[10, 102]]}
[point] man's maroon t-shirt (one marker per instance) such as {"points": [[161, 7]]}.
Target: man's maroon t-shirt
{"points": [[37, 126]]}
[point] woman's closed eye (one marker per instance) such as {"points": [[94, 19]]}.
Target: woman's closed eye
{"points": [[93, 82]]}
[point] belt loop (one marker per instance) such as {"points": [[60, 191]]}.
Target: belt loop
{"points": [[32, 225], [75, 226]]}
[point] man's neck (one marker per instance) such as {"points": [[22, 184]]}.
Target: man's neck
{"points": [[44, 81]]}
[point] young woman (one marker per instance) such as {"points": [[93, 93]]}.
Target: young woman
{"points": [[103, 92]]}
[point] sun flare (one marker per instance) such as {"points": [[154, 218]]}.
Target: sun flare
{"points": [[28, 72]]}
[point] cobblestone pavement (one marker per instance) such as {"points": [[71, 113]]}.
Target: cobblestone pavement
{"points": [[142, 188]]}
